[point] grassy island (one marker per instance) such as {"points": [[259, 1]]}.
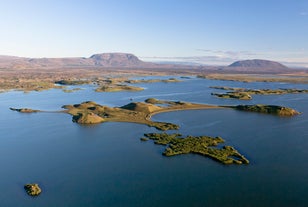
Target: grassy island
{"points": [[71, 90], [245, 94], [73, 82], [268, 109], [117, 87], [32, 189], [203, 145], [235, 95], [170, 80]]}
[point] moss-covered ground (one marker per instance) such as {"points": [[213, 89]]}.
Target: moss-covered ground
{"points": [[203, 145]]}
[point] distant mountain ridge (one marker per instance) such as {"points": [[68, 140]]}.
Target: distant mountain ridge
{"points": [[257, 66], [130, 61], [97, 60], [258, 63]]}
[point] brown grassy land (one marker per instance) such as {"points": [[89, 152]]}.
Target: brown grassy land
{"points": [[37, 79], [135, 112], [300, 77]]}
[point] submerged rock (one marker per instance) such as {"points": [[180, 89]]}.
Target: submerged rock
{"points": [[33, 189]]}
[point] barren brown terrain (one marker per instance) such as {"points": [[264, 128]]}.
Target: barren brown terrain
{"points": [[30, 74]]}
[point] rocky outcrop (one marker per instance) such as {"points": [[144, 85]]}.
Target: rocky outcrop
{"points": [[87, 118], [33, 189]]}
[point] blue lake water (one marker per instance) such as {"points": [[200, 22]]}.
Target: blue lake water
{"points": [[108, 165]]}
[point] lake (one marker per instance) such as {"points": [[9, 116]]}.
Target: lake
{"points": [[108, 165]]}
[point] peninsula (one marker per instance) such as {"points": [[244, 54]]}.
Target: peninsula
{"points": [[136, 112], [203, 145]]}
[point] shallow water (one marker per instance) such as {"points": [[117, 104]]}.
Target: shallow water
{"points": [[108, 165]]}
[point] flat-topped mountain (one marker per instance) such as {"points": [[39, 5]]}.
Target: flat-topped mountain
{"points": [[257, 63], [116, 60]]}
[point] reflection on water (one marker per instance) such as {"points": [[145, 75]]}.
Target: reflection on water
{"points": [[107, 165]]}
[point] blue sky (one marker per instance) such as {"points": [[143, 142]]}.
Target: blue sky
{"points": [[203, 31]]}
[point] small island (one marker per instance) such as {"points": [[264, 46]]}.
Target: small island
{"points": [[170, 80], [25, 110], [32, 189], [117, 88], [235, 95], [267, 109], [245, 94], [72, 82], [203, 145]]}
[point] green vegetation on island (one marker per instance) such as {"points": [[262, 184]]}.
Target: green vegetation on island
{"points": [[235, 95], [73, 82], [203, 145], [267, 109], [170, 80], [32, 189], [118, 87], [245, 94], [71, 90], [140, 112]]}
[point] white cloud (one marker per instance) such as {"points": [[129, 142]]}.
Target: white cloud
{"points": [[296, 58], [303, 13], [202, 60], [229, 53]]}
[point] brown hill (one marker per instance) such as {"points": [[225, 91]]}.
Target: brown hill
{"points": [[257, 65], [141, 107]]}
